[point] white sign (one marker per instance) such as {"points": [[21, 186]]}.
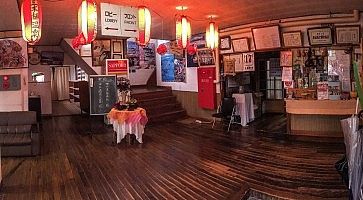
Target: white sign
{"points": [[287, 74], [248, 62], [110, 20], [119, 21], [129, 21]]}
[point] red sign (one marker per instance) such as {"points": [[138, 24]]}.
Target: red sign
{"points": [[118, 67]]}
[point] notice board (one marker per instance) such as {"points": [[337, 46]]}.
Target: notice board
{"points": [[103, 93]]}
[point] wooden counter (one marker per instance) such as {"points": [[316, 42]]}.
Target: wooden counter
{"points": [[317, 117]]}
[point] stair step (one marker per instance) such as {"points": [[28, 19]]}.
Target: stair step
{"points": [[152, 95], [168, 116], [155, 109], [156, 101]]}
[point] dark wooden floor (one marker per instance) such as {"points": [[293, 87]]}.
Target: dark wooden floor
{"points": [[176, 161]]}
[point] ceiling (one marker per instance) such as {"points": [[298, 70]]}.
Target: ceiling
{"points": [[60, 16]]}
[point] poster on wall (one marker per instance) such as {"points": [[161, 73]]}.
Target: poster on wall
{"points": [[192, 60], [287, 74], [101, 50], [147, 56], [288, 84], [119, 67], [133, 55], [248, 62], [167, 68], [322, 90], [238, 62], [175, 49], [179, 70], [339, 64], [13, 53], [205, 57], [198, 40], [286, 58]]}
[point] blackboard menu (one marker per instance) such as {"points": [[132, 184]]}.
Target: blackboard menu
{"points": [[103, 94]]}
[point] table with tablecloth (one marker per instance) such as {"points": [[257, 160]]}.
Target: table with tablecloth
{"points": [[244, 107], [128, 122]]}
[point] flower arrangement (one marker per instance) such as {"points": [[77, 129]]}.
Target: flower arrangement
{"points": [[123, 85]]}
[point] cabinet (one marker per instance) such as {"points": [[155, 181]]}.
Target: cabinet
{"points": [[79, 92], [35, 104]]}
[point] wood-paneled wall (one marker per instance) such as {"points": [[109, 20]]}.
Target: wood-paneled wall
{"points": [[317, 125], [189, 101]]}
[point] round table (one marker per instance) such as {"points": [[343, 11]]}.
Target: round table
{"points": [[128, 122]]}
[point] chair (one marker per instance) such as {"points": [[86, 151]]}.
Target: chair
{"points": [[225, 111]]}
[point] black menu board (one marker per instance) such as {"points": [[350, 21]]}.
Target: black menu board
{"points": [[103, 93]]}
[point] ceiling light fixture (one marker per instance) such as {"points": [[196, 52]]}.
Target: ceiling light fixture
{"points": [[212, 35], [144, 26], [181, 8], [31, 21], [183, 31]]}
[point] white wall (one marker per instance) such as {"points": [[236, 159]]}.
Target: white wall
{"points": [[15, 100], [42, 89]]}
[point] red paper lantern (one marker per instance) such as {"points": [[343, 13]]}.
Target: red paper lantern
{"points": [[31, 21], [144, 26], [191, 49], [87, 20], [162, 49], [183, 31]]}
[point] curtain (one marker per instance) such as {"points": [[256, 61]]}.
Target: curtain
{"points": [[60, 83]]}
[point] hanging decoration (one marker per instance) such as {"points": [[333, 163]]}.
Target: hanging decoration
{"points": [[87, 23], [144, 26], [162, 49], [212, 35], [31, 21], [191, 49], [183, 31]]}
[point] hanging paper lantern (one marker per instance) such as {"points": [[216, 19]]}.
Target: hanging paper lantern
{"points": [[212, 36], [87, 20], [183, 31], [191, 49], [162, 49], [144, 26], [31, 21]]}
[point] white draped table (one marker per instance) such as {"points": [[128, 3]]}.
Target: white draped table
{"points": [[244, 107], [128, 122]]}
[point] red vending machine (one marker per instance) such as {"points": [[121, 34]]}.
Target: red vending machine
{"points": [[207, 87]]}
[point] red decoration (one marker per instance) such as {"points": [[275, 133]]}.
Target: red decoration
{"points": [[191, 49], [87, 23], [5, 78], [31, 20], [162, 49]]}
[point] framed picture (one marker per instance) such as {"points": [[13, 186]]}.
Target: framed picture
{"points": [[117, 46], [292, 39], [117, 56], [266, 37], [225, 43], [51, 58], [13, 53], [205, 57], [85, 51], [228, 65], [101, 50], [320, 36], [240, 45], [347, 34]]}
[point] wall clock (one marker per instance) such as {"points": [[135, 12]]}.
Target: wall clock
{"points": [[34, 58]]}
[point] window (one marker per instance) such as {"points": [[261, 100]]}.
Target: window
{"points": [[270, 79]]}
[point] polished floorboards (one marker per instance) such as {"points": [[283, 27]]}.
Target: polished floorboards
{"points": [[180, 160]]}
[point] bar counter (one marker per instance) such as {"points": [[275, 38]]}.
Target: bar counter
{"points": [[317, 117]]}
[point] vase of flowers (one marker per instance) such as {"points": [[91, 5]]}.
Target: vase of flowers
{"points": [[124, 90]]}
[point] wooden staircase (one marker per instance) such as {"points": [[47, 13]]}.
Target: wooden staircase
{"points": [[159, 103]]}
